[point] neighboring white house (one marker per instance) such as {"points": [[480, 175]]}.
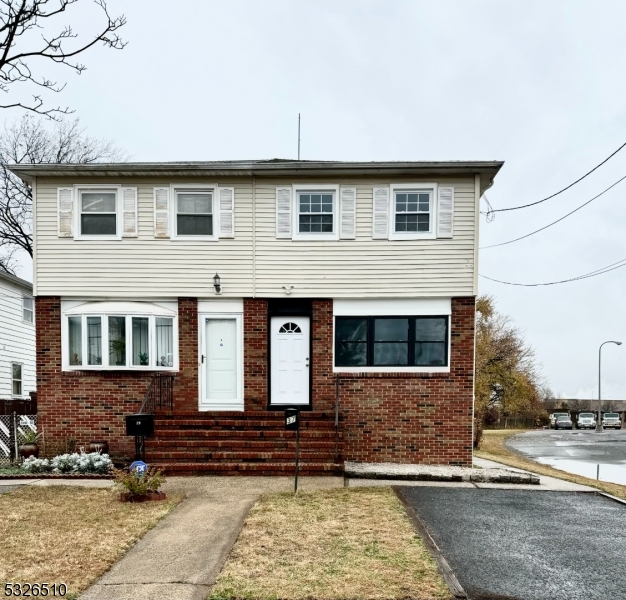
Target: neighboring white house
{"points": [[17, 338]]}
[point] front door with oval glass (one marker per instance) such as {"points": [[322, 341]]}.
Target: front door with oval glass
{"points": [[221, 386], [290, 364]]}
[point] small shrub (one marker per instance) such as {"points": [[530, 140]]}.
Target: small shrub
{"points": [[92, 462], [139, 485], [36, 465]]}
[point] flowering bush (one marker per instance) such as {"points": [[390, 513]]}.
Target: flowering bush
{"points": [[92, 462]]}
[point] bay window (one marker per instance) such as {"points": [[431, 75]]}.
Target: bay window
{"points": [[117, 340]]}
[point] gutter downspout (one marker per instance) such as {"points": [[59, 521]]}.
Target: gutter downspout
{"points": [[253, 235]]}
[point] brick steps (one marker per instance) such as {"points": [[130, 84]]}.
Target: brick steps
{"points": [[268, 444], [253, 443], [236, 468], [231, 457]]}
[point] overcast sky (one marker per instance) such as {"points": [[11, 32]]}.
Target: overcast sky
{"points": [[538, 84]]}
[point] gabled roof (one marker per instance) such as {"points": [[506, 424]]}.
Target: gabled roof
{"points": [[17, 281], [274, 167]]}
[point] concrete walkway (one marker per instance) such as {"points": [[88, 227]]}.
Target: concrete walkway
{"points": [[181, 557]]}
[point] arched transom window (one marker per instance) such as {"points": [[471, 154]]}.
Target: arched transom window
{"points": [[290, 328]]}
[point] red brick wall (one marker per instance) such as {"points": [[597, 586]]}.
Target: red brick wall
{"points": [[90, 405], [255, 361], [415, 418]]}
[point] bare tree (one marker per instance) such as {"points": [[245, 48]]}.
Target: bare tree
{"points": [[33, 142], [22, 53]]}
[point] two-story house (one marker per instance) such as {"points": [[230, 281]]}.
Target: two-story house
{"points": [[347, 289], [17, 339]]}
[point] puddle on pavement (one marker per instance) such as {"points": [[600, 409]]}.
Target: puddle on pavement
{"points": [[612, 473]]}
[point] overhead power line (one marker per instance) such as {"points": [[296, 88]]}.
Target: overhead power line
{"points": [[495, 210], [616, 265], [558, 220]]}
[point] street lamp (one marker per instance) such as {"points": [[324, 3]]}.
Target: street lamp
{"points": [[599, 421]]}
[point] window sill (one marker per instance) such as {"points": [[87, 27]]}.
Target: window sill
{"points": [[96, 238], [99, 369], [315, 237], [194, 238], [412, 236], [391, 369]]}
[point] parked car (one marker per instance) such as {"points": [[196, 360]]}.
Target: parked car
{"points": [[553, 417], [586, 420], [611, 420], [563, 422]]}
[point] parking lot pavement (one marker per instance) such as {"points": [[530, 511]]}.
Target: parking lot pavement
{"points": [[520, 545]]}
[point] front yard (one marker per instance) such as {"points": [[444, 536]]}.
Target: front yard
{"points": [[69, 535], [329, 545]]}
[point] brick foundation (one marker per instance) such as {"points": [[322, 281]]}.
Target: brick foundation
{"points": [[412, 418]]}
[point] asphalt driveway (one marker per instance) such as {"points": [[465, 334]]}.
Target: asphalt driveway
{"points": [[519, 544]]}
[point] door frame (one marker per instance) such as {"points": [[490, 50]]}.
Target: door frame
{"points": [[289, 308], [203, 405]]}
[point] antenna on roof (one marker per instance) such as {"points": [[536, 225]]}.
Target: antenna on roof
{"points": [[298, 136]]}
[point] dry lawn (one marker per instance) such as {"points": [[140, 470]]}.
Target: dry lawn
{"points": [[333, 544], [493, 448], [69, 535]]}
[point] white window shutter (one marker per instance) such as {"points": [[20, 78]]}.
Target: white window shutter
{"points": [[380, 217], [161, 212], [129, 209], [445, 212], [227, 212], [65, 199], [348, 214], [283, 212]]}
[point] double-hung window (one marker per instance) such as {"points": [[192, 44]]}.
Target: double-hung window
{"points": [[413, 211], [27, 309], [391, 341], [98, 212], [119, 341], [315, 212], [194, 212], [16, 379]]}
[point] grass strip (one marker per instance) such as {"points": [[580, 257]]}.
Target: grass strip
{"points": [[493, 448], [71, 535], [329, 545]]}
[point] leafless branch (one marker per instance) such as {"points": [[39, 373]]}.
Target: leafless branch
{"points": [[18, 50], [30, 141]]}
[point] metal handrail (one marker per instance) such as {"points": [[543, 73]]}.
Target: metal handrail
{"points": [[160, 394]]}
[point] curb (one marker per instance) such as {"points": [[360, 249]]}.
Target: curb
{"points": [[615, 498], [53, 476], [519, 478], [444, 568]]}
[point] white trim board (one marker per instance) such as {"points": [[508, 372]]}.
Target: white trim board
{"points": [[389, 306]]}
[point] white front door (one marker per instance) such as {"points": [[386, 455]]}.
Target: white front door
{"points": [[221, 389], [290, 360]]}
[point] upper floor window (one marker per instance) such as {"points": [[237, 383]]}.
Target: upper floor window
{"points": [[194, 212], [413, 211], [391, 341], [27, 309], [98, 212], [97, 339], [315, 212]]}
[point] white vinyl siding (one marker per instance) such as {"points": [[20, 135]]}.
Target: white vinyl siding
{"points": [[17, 344], [150, 267]]}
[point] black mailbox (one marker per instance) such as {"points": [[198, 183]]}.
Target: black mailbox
{"points": [[139, 425], [292, 418]]}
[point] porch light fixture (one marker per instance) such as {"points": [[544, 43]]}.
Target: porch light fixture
{"points": [[217, 284]]}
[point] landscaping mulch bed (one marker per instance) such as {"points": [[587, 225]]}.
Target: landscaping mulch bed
{"points": [[53, 476]]}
